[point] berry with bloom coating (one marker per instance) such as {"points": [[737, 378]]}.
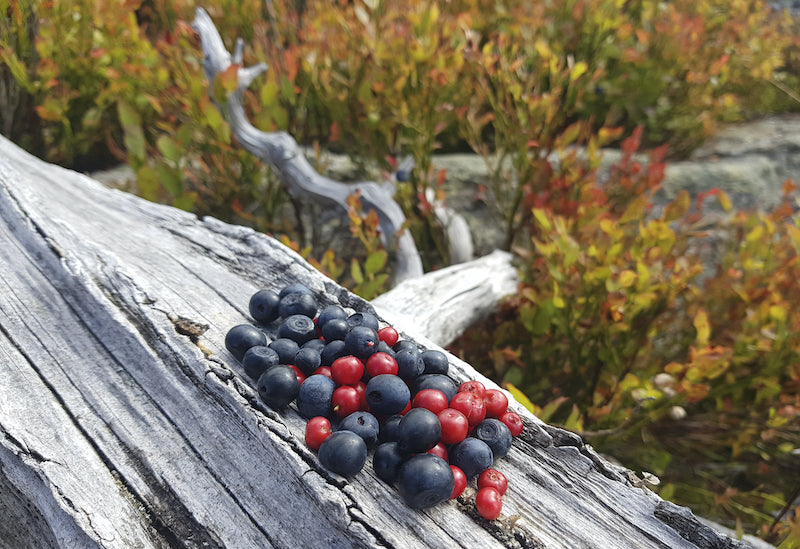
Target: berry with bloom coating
{"points": [[240, 338], [343, 452], [425, 480], [489, 503], [387, 395], [264, 306]]}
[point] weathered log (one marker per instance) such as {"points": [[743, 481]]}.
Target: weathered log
{"points": [[442, 304], [124, 422]]}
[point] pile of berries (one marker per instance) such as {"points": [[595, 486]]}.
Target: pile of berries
{"points": [[361, 387]]}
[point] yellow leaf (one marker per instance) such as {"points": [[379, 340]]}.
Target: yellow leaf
{"points": [[778, 313], [521, 397], [627, 278], [724, 200], [702, 326], [755, 234], [578, 70], [541, 217]]}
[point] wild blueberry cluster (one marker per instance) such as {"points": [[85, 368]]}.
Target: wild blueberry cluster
{"points": [[430, 435]]}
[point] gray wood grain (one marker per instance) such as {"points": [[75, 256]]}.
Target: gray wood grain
{"points": [[125, 423]]}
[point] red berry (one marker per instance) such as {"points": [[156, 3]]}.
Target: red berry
{"points": [[471, 405], [347, 370], [472, 387], [323, 371], [301, 377], [317, 430], [496, 403], [455, 426], [489, 503], [439, 450], [513, 422], [493, 478], [345, 400], [388, 335], [381, 363], [361, 387], [430, 399], [460, 482]]}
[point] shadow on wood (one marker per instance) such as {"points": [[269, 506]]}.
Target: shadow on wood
{"points": [[125, 423]]}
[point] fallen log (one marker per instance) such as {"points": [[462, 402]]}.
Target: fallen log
{"points": [[124, 422]]}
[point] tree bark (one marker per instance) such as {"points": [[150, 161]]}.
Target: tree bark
{"points": [[125, 423]]}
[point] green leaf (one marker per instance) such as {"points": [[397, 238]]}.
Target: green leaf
{"points": [[375, 262], [169, 148], [170, 179], [148, 182], [355, 272], [133, 133]]}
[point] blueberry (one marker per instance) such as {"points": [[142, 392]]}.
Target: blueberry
{"points": [[308, 360], [298, 304], [362, 342], [343, 452], [387, 394], [329, 313], [390, 429], [363, 319], [242, 337], [278, 386], [472, 456], [409, 364], [314, 398], [383, 347], [298, 328], [435, 381], [402, 175], [258, 360], [495, 434], [404, 344], [435, 362], [425, 480], [333, 350], [286, 349], [420, 431], [316, 344], [295, 288], [386, 461], [264, 306], [364, 425], [334, 329]]}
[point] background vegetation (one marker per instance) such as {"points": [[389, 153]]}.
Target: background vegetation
{"points": [[668, 339]]}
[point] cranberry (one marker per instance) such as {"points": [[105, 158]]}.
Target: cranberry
{"points": [[472, 387], [347, 370], [513, 422], [301, 377], [381, 363], [460, 482], [388, 335], [495, 479], [471, 405], [489, 503], [439, 450], [431, 399], [317, 429], [496, 403], [454, 426], [361, 387], [345, 400], [324, 371]]}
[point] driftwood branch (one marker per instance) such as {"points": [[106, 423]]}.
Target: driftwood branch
{"points": [[124, 422], [284, 156]]}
